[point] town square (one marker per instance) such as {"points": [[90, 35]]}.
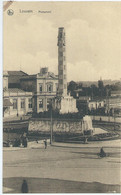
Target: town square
{"points": [[61, 116]]}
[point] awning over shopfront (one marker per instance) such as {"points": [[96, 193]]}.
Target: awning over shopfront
{"points": [[7, 103]]}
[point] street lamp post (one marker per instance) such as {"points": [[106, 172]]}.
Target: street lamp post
{"points": [[51, 125], [108, 105], [114, 120]]}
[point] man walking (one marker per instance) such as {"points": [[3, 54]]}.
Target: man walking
{"points": [[45, 142]]}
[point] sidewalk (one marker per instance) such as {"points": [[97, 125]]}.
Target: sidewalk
{"points": [[31, 145], [94, 144], [110, 143]]}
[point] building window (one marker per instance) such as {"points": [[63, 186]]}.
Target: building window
{"points": [[56, 85], [41, 103], [40, 87], [64, 67], [48, 103], [64, 76], [23, 103], [30, 103], [64, 57], [77, 94], [96, 105], [49, 88], [14, 104]]}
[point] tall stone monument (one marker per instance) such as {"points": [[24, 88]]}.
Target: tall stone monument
{"points": [[62, 70], [63, 103]]}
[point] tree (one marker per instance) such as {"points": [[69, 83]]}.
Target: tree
{"points": [[94, 90], [72, 87], [100, 84]]}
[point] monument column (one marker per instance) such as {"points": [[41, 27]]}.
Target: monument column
{"points": [[63, 102], [62, 70]]}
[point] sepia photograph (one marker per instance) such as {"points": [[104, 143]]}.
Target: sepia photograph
{"points": [[61, 118]]}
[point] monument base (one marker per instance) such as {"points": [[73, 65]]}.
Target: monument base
{"points": [[65, 105]]}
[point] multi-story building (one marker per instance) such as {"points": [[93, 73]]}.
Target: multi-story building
{"points": [[28, 93], [113, 103], [44, 87], [85, 104], [20, 102], [116, 93], [16, 102], [96, 104]]}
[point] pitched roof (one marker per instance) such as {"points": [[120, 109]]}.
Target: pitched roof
{"points": [[40, 76], [17, 73], [15, 76], [28, 77], [15, 90]]}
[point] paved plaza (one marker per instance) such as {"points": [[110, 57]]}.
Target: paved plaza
{"points": [[62, 169]]}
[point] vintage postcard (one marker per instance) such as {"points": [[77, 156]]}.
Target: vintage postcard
{"points": [[61, 97]]}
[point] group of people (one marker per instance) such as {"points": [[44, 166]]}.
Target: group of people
{"points": [[21, 141]]}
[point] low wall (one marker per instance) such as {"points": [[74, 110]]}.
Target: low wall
{"points": [[44, 125], [107, 118]]}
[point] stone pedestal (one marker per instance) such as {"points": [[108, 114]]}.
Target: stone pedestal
{"points": [[65, 105]]}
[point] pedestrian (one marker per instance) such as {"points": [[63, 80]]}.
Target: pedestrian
{"points": [[85, 140], [45, 142], [24, 187], [25, 142], [102, 153]]}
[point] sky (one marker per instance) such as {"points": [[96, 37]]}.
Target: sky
{"points": [[93, 38]]}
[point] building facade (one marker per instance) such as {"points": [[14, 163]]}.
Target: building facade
{"points": [[96, 104], [44, 87], [16, 102], [113, 103], [20, 102]]}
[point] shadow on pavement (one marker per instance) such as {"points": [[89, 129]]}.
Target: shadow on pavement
{"points": [[39, 185]]}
